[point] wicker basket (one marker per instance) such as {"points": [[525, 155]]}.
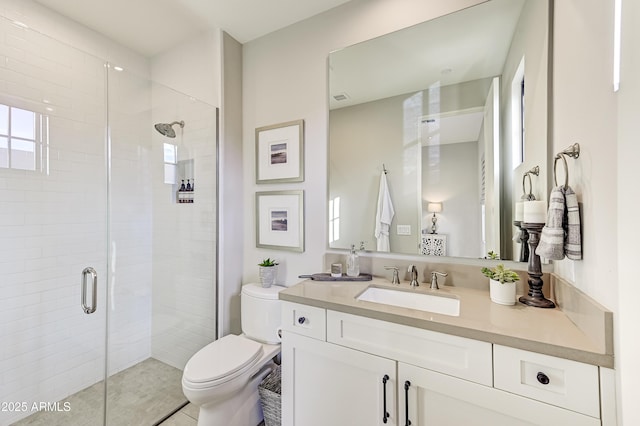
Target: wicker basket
{"points": [[270, 398]]}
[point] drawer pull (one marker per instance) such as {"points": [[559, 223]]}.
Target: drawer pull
{"points": [[385, 414], [543, 378], [407, 422], [302, 320]]}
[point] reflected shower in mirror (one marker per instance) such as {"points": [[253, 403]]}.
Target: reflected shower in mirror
{"points": [[442, 105]]}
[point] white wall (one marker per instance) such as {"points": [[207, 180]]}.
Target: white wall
{"points": [[628, 232], [192, 67], [450, 175], [285, 78], [585, 111]]}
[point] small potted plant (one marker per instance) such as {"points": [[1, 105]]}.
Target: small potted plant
{"points": [[502, 284], [267, 272]]}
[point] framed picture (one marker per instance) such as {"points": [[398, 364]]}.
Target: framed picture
{"points": [[280, 153], [280, 220]]}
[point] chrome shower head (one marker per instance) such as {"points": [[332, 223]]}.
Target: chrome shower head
{"points": [[167, 129]]}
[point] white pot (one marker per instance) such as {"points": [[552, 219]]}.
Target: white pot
{"points": [[267, 275], [502, 293]]}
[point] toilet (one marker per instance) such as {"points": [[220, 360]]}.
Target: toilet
{"points": [[222, 378]]}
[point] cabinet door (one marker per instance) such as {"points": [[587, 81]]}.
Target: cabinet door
{"points": [[437, 399], [324, 384]]}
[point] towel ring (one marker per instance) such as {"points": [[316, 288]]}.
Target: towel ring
{"points": [[574, 152], [566, 170], [529, 195]]}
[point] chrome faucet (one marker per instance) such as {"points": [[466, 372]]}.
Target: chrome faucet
{"points": [[414, 276], [434, 279], [395, 279]]}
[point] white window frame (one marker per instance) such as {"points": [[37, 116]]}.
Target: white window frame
{"points": [[40, 140], [517, 116]]}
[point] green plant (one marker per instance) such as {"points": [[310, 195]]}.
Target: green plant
{"points": [[268, 262], [493, 255], [500, 273]]}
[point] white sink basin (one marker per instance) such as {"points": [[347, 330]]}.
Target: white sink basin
{"points": [[445, 305]]}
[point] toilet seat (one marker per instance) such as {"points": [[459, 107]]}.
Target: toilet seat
{"points": [[221, 361]]}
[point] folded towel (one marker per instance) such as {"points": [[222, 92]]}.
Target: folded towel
{"points": [[384, 215], [551, 245], [573, 238]]}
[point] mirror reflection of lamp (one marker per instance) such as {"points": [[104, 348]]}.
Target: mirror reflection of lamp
{"points": [[434, 208]]}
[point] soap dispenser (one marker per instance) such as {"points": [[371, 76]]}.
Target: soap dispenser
{"points": [[353, 264]]}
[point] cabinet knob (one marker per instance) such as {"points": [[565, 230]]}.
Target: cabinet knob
{"points": [[302, 320], [543, 378]]}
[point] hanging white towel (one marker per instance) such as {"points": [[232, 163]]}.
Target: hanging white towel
{"points": [[384, 215]]}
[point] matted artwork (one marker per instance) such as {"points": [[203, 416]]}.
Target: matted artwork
{"points": [[280, 153], [280, 220]]}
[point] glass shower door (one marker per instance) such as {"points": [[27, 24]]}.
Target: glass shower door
{"points": [[53, 229]]}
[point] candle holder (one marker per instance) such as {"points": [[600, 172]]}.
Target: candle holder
{"points": [[523, 237], [535, 297]]}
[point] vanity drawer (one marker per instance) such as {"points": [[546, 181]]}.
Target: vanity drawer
{"points": [[453, 355], [561, 382], [305, 320]]}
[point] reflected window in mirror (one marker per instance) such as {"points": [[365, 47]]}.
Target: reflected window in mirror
{"points": [[517, 115], [334, 219]]}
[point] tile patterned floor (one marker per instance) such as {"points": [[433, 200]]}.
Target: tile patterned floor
{"points": [[140, 395], [188, 416]]}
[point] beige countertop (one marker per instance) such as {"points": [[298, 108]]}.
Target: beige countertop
{"points": [[546, 331]]}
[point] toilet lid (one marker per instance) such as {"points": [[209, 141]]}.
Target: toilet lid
{"points": [[222, 358]]}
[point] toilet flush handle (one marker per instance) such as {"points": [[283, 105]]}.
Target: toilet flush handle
{"points": [[302, 320]]}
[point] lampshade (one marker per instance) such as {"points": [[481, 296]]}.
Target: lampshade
{"points": [[434, 207]]}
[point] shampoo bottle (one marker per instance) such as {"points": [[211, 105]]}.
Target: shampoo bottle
{"points": [[353, 264]]}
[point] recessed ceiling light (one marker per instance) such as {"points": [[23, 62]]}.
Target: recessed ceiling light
{"points": [[117, 68]]}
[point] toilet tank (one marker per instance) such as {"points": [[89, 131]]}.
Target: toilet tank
{"points": [[260, 312]]}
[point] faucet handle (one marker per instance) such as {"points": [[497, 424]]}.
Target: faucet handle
{"points": [[434, 278], [396, 278]]}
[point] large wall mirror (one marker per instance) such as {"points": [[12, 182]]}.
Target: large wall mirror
{"points": [[452, 112]]}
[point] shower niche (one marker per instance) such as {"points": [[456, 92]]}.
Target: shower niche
{"points": [[185, 183]]}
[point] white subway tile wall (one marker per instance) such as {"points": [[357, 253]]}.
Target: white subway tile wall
{"points": [[56, 221]]}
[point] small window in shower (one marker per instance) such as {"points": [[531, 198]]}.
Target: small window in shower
{"points": [[170, 163], [23, 136]]}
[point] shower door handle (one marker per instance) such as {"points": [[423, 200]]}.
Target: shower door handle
{"points": [[89, 272]]}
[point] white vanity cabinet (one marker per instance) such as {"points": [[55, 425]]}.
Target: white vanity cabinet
{"points": [[438, 399], [332, 375], [325, 384]]}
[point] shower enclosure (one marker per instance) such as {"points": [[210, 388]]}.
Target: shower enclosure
{"points": [[102, 269]]}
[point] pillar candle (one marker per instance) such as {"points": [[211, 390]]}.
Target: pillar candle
{"points": [[519, 211], [534, 212]]}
